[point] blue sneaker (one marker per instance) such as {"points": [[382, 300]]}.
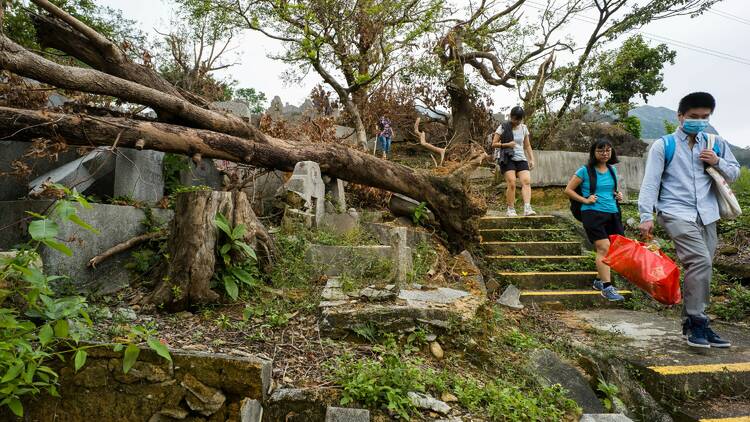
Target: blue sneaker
{"points": [[610, 293], [715, 340], [697, 337], [686, 328], [598, 285]]}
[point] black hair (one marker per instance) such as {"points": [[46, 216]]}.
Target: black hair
{"points": [[601, 143], [696, 100], [517, 112]]}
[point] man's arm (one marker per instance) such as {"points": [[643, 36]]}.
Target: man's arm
{"points": [[728, 164], [651, 184]]}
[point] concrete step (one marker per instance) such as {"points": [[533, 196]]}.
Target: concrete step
{"points": [[715, 410], [526, 235], [513, 263], [548, 280], [705, 380], [534, 221], [569, 299], [532, 248]]}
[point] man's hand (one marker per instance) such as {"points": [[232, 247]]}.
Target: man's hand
{"points": [[709, 157], [647, 230], [618, 196]]}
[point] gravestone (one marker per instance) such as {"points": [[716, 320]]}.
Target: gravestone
{"points": [[306, 181], [13, 187], [80, 173], [139, 175]]}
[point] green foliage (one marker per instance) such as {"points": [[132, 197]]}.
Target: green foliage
{"points": [[669, 127], [632, 125], [632, 70], [35, 324], [520, 341], [736, 306], [239, 264], [172, 166], [419, 215], [354, 237], [423, 257], [610, 391], [256, 100]]}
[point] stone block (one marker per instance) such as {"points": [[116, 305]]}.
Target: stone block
{"points": [[234, 375], [402, 205], [262, 193], [333, 261], [299, 405], [550, 370], [116, 223], [204, 173], [339, 223], [251, 411], [307, 182], [139, 175], [335, 193], [12, 187], [343, 414], [382, 232], [401, 254], [80, 173], [238, 108]]}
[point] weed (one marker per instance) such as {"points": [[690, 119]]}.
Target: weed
{"points": [[423, 257], [238, 259], [419, 216], [223, 322], [520, 341], [610, 391], [367, 331], [736, 307]]}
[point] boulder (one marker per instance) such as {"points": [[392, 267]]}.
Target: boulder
{"points": [[202, 398], [427, 402], [551, 370], [343, 414]]}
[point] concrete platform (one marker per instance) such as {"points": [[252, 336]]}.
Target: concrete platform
{"points": [[533, 248], [535, 221], [525, 235], [534, 280], [669, 367]]}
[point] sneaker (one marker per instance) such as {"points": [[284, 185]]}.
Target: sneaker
{"points": [[715, 340], [511, 212], [610, 293], [598, 285], [686, 328], [527, 210], [697, 338]]}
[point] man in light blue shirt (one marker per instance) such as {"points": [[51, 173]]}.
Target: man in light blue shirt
{"points": [[680, 192]]}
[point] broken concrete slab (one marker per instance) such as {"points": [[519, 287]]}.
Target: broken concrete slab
{"points": [[251, 410], [139, 175], [117, 223], [383, 232], [337, 260], [340, 223], [344, 414], [80, 173], [13, 187], [335, 191], [511, 298], [401, 254], [551, 370], [443, 295]]}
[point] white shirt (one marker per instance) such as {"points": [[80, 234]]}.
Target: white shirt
{"points": [[520, 133]]}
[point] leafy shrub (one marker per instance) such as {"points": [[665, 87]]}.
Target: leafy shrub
{"points": [[632, 125], [737, 304], [239, 264]]}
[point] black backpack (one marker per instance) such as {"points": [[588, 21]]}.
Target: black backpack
{"points": [[575, 206]]}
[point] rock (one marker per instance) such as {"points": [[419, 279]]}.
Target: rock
{"points": [[511, 298], [287, 381], [470, 273], [436, 350], [605, 417], [139, 175], [174, 412], [448, 397], [251, 411], [343, 414], [141, 371], [492, 285], [332, 291], [375, 294], [439, 295], [299, 405], [202, 398], [427, 402], [729, 250], [184, 315], [550, 370], [431, 337], [276, 109], [306, 181], [126, 314], [238, 108]]}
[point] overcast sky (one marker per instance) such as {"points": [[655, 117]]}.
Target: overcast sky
{"points": [[723, 32]]}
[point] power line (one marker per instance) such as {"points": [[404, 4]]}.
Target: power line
{"points": [[675, 43], [730, 16]]}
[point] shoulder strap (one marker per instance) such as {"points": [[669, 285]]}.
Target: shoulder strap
{"points": [[714, 140], [669, 147], [592, 179], [612, 173]]}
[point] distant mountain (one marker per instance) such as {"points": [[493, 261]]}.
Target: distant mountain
{"points": [[652, 120], [652, 127]]}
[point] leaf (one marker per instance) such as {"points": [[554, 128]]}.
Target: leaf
{"points": [[43, 229], [159, 347], [77, 220], [45, 334], [223, 224], [28, 377], [64, 209], [118, 347], [239, 231], [16, 407], [12, 373], [231, 287], [131, 355], [80, 359], [59, 246], [243, 276], [225, 249], [247, 249], [61, 328]]}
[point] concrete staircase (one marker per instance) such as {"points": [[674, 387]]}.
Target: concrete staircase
{"points": [[543, 258]]}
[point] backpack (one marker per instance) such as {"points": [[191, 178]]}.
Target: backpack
{"points": [[505, 137], [575, 206], [670, 145]]}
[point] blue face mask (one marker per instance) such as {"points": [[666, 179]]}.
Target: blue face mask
{"points": [[693, 126]]}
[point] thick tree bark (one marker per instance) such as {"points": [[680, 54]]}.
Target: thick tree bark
{"points": [[446, 195], [193, 242]]}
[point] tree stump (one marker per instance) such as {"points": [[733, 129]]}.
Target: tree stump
{"points": [[192, 246]]}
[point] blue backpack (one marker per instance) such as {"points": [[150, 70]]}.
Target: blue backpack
{"points": [[670, 145]]}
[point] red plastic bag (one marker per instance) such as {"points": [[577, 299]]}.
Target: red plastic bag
{"points": [[652, 272]]}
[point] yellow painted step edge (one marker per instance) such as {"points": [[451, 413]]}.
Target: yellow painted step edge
{"points": [[734, 419], [697, 369], [532, 273], [568, 292]]}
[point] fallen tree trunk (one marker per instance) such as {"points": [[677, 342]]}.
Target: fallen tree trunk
{"points": [[446, 195]]}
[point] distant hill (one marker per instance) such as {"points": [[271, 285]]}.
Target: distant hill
{"points": [[652, 127]]}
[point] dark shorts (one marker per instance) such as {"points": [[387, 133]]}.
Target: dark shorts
{"points": [[516, 166], [600, 225]]}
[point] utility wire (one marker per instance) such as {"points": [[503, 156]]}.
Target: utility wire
{"points": [[730, 16]]}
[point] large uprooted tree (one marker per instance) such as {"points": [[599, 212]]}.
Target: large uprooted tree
{"points": [[186, 126]]}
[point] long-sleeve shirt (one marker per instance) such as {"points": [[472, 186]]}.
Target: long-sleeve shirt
{"points": [[684, 189]]}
